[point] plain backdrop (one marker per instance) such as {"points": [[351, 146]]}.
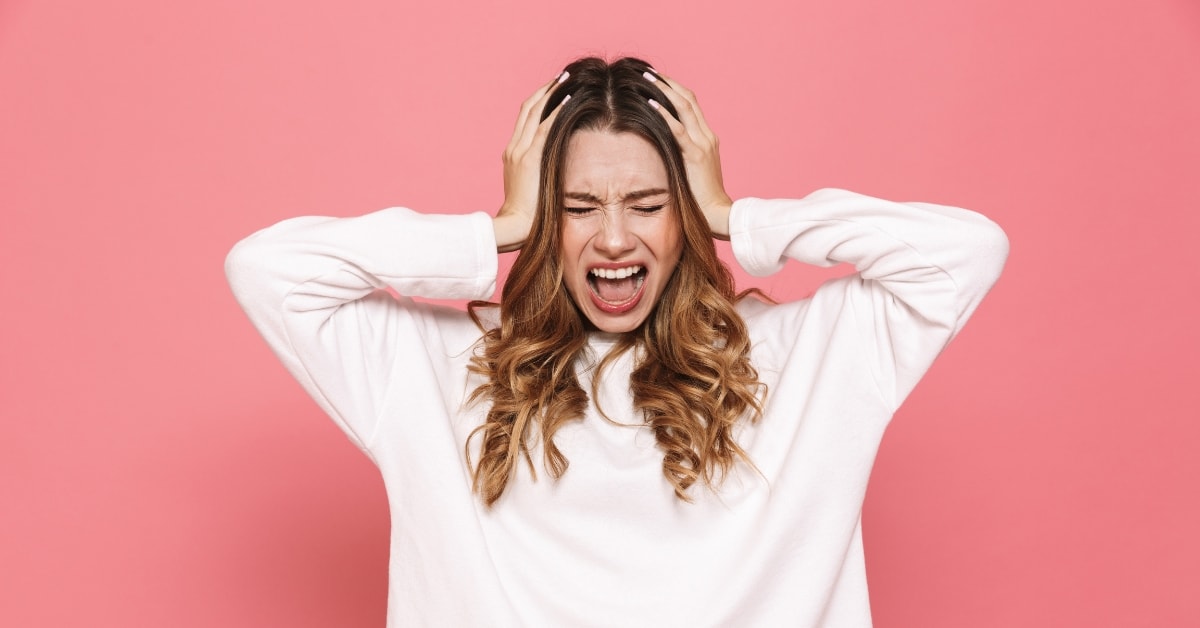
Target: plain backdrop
{"points": [[159, 468]]}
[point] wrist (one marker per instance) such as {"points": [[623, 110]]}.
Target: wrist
{"points": [[510, 232], [718, 218]]}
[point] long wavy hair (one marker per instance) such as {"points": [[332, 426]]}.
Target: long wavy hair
{"points": [[692, 381]]}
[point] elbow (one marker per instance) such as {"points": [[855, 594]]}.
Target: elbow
{"points": [[980, 249], [990, 248], [982, 258], [251, 262], [246, 268]]}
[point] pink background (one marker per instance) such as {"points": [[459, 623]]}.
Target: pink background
{"points": [[158, 468]]}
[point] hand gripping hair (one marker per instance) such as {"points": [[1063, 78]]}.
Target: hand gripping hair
{"points": [[693, 381]]}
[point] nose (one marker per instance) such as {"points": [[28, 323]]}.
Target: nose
{"points": [[615, 237]]}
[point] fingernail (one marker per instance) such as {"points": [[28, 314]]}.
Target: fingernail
{"points": [[564, 100], [654, 103], [562, 77], [650, 77]]}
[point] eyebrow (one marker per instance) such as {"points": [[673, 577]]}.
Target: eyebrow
{"points": [[632, 196]]}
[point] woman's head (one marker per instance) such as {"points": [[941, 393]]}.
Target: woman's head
{"points": [[616, 216], [614, 200]]}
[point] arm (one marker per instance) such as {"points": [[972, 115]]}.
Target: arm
{"points": [[312, 285], [312, 288], [922, 268]]}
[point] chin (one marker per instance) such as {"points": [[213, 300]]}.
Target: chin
{"points": [[617, 327], [613, 324]]}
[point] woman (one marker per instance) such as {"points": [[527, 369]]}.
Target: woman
{"points": [[622, 442]]}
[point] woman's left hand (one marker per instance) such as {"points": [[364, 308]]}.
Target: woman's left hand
{"points": [[700, 153]]}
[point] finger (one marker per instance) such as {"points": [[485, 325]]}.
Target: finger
{"points": [[683, 124], [685, 104], [530, 120], [686, 142], [526, 105], [539, 96], [674, 87], [529, 108], [544, 128]]}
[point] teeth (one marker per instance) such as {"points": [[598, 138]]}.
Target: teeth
{"points": [[616, 273]]}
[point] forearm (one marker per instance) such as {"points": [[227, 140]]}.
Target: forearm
{"points": [[918, 252], [429, 255]]}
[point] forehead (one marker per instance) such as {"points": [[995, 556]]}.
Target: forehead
{"points": [[609, 165]]}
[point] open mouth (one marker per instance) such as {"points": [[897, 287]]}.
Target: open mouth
{"points": [[616, 290]]}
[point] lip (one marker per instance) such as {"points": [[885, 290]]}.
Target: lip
{"points": [[626, 305], [616, 265]]}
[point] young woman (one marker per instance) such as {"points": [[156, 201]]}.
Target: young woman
{"points": [[622, 441]]}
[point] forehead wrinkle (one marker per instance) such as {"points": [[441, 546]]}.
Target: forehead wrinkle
{"points": [[631, 196]]}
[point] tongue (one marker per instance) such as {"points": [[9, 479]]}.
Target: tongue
{"points": [[616, 290]]}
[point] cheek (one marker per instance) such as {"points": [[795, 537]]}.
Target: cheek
{"points": [[568, 245], [671, 241]]}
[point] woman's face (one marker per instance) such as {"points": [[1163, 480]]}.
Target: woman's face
{"points": [[621, 235]]}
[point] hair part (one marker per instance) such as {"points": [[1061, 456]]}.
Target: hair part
{"points": [[692, 381]]}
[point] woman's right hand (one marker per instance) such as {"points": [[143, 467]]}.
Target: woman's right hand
{"points": [[522, 169]]}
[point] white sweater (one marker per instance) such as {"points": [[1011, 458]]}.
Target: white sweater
{"points": [[609, 544]]}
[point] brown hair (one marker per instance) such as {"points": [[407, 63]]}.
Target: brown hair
{"points": [[693, 380]]}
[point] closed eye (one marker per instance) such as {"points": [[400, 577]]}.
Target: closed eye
{"points": [[649, 209], [577, 211]]}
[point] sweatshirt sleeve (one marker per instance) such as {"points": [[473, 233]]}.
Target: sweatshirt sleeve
{"points": [[312, 286], [922, 270]]}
